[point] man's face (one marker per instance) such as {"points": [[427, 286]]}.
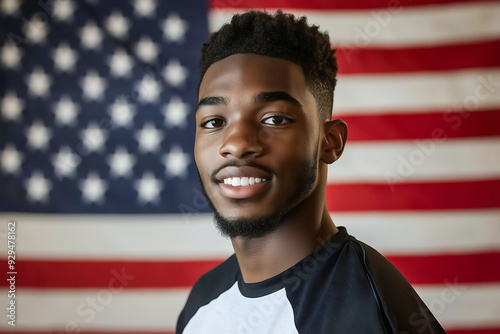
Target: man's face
{"points": [[256, 142]]}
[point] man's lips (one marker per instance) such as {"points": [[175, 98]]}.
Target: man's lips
{"points": [[239, 182], [241, 172]]}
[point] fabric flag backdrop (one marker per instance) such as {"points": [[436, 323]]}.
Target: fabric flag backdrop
{"points": [[96, 165]]}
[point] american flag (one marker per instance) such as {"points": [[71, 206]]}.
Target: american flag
{"points": [[96, 164]]}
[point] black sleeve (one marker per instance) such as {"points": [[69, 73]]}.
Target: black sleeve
{"points": [[403, 310]]}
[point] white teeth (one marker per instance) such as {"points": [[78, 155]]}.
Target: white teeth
{"points": [[236, 182], [242, 181]]}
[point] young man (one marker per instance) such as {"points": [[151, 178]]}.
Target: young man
{"points": [[264, 139]]}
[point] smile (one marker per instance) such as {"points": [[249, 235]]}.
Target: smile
{"points": [[243, 181]]}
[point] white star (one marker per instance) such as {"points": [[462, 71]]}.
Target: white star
{"points": [[146, 50], [11, 106], [120, 63], [144, 7], [122, 112], [64, 57], [148, 188], [93, 188], [63, 10], [11, 55], [174, 73], [93, 86], [91, 36], [93, 137], [149, 89], [36, 30], [174, 28], [117, 25], [66, 111], [149, 138], [175, 113], [176, 162], [38, 82], [38, 187], [65, 162], [11, 159], [38, 135], [10, 7], [121, 162]]}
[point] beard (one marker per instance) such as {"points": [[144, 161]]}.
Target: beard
{"points": [[259, 226]]}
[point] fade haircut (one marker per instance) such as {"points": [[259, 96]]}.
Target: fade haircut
{"points": [[281, 36]]}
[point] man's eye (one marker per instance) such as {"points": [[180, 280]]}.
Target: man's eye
{"points": [[277, 120], [213, 123]]}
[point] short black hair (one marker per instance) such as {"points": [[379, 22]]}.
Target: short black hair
{"points": [[281, 36]]}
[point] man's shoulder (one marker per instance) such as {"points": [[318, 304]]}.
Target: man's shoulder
{"points": [[208, 287], [399, 303], [221, 277]]}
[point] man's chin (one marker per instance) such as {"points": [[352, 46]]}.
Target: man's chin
{"points": [[246, 227]]}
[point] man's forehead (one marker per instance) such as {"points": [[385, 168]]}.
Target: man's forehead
{"points": [[249, 71]]}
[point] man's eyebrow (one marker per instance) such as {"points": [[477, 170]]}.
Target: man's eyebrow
{"points": [[276, 96], [212, 101]]}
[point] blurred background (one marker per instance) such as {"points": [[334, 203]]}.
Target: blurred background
{"points": [[97, 104]]}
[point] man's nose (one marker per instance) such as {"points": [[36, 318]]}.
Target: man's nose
{"points": [[241, 140]]}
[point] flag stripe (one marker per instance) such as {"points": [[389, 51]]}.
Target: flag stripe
{"points": [[458, 23], [449, 124], [468, 306], [67, 237], [62, 331], [474, 331], [436, 269], [327, 5], [413, 196], [144, 310], [425, 232], [96, 310], [470, 90], [100, 274], [435, 159], [424, 269], [433, 58]]}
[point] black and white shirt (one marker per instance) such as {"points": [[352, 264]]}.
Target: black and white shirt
{"points": [[344, 286]]}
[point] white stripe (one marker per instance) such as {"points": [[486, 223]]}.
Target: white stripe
{"points": [[117, 236], [463, 306], [157, 309], [437, 159], [96, 309], [461, 90], [410, 26], [430, 232], [152, 237]]}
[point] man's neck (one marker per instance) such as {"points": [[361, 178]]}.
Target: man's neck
{"points": [[265, 257]]}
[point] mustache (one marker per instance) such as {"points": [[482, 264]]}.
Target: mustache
{"points": [[240, 163]]}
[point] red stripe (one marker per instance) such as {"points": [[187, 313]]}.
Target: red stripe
{"points": [[437, 125], [438, 58], [449, 268], [113, 274], [328, 4], [413, 196], [474, 331], [429, 269]]}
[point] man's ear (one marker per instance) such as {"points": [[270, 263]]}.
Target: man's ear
{"points": [[335, 136]]}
